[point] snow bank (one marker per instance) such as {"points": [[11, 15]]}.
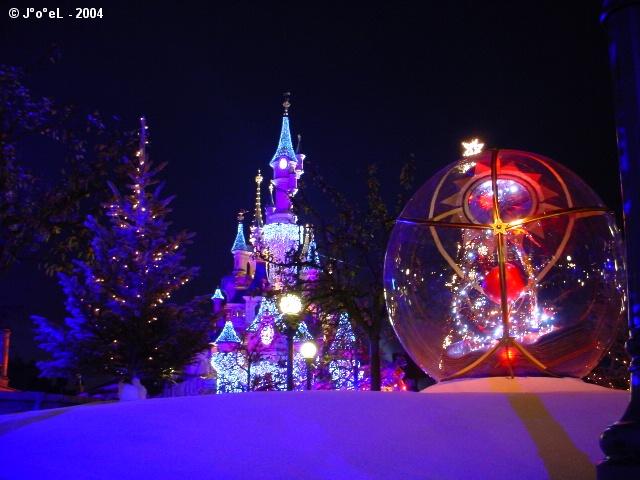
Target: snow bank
{"points": [[457, 431]]}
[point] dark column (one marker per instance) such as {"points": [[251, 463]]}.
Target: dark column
{"points": [[309, 371], [291, 331], [621, 19]]}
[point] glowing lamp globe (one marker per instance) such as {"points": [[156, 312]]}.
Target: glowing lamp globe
{"points": [[505, 263], [308, 350], [290, 304]]}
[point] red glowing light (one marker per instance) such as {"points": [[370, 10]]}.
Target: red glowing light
{"points": [[508, 354], [515, 283]]}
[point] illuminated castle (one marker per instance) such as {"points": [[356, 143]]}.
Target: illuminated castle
{"points": [[249, 347]]}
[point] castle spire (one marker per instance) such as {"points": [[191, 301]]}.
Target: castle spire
{"points": [[257, 214], [240, 243], [286, 104], [285, 150]]}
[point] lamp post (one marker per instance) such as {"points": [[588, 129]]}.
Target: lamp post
{"points": [[621, 19], [290, 306], [309, 350]]}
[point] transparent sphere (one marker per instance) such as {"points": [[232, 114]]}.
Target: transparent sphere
{"points": [[504, 262]]}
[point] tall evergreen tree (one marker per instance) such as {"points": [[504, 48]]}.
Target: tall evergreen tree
{"points": [[122, 322]]}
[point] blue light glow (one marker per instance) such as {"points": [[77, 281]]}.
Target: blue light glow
{"points": [[285, 145], [228, 334]]}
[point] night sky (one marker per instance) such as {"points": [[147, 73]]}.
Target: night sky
{"points": [[370, 83]]}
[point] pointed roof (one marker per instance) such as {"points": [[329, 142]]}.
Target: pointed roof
{"points": [[302, 334], [217, 295], [240, 244], [285, 145], [228, 334], [267, 311]]}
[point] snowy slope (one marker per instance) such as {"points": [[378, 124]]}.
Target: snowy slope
{"points": [[483, 433]]}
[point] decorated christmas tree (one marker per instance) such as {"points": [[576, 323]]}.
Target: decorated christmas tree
{"points": [[344, 367], [121, 320]]}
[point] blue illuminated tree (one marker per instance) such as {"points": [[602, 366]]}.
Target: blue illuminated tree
{"points": [[122, 321], [344, 366]]}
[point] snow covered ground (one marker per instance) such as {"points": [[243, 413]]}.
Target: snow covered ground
{"points": [[486, 428]]}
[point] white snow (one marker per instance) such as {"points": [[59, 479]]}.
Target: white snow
{"points": [[454, 430], [131, 391], [516, 385]]}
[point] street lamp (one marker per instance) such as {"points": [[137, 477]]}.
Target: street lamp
{"points": [[308, 350], [290, 305]]}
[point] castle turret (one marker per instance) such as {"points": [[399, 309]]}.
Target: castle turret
{"points": [[228, 340], [241, 251], [218, 300]]}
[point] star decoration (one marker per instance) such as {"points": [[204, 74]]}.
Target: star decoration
{"points": [[472, 148]]}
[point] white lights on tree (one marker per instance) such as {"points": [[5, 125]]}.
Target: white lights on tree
{"points": [[283, 163], [231, 370], [268, 375], [344, 367]]}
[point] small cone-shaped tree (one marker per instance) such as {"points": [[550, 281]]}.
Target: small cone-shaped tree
{"points": [[122, 322]]}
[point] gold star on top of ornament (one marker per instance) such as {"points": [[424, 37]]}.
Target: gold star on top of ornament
{"points": [[472, 148]]}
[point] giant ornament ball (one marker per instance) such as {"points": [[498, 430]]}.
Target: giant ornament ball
{"points": [[505, 249]]}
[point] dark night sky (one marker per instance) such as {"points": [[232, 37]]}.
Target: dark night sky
{"points": [[370, 84]]}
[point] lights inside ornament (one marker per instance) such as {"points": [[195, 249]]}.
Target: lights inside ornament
{"points": [[509, 221], [515, 201], [514, 279], [283, 163]]}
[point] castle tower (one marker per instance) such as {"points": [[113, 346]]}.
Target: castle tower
{"points": [[287, 168], [218, 300], [241, 252], [281, 235]]}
